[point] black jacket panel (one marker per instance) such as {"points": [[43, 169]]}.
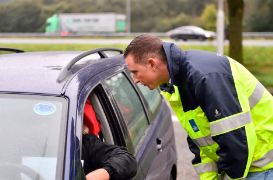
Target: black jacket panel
{"points": [[195, 150], [116, 160], [216, 92], [233, 152]]}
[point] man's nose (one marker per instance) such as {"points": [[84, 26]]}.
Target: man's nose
{"points": [[136, 80]]}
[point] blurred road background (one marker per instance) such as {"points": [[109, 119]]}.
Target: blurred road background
{"points": [[123, 41]]}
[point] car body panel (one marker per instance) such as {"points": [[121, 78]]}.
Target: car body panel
{"points": [[165, 133], [74, 129]]}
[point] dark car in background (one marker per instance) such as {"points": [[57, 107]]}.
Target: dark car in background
{"points": [[190, 32], [42, 99]]}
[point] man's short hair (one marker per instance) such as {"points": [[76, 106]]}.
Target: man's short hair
{"points": [[143, 46]]}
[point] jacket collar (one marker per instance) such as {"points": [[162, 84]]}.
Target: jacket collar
{"points": [[174, 56]]}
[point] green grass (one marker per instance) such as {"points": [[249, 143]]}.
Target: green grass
{"points": [[258, 60]]}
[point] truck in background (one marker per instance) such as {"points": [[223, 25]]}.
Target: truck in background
{"points": [[86, 23]]}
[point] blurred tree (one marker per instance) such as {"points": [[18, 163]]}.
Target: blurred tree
{"points": [[257, 21], [209, 16], [5, 1], [162, 15], [167, 24], [48, 1], [236, 10], [146, 16], [196, 7], [64, 7], [20, 17]]}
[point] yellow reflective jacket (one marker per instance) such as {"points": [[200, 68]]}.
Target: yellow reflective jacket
{"points": [[225, 110]]}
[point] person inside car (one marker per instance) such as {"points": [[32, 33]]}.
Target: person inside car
{"points": [[103, 161], [90, 119]]}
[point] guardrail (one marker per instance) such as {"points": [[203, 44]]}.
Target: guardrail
{"points": [[245, 34], [258, 34]]}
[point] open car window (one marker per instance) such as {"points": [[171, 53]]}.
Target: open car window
{"points": [[152, 97], [130, 106]]}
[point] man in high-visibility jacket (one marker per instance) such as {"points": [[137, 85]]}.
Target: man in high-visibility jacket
{"points": [[226, 111]]}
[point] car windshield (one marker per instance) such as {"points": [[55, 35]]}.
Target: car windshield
{"points": [[31, 138], [197, 29]]}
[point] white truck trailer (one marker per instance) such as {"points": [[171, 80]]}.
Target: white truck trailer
{"points": [[86, 22]]}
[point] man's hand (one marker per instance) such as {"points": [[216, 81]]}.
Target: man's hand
{"points": [[99, 174]]}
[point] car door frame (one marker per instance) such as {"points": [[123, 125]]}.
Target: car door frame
{"points": [[84, 94], [152, 130]]}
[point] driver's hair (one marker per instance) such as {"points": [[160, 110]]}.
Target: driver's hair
{"points": [[145, 46]]}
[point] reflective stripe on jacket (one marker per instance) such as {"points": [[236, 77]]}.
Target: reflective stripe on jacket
{"points": [[225, 110]]}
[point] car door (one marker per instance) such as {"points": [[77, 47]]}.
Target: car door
{"points": [[154, 102], [144, 134], [159, 112], [111, 130]]}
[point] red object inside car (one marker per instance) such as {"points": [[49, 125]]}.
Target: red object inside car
{"points": [[90, 119]]}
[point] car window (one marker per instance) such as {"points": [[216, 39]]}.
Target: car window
{"points": [[30, 135], [130, 106], [198, 30], [186, 30], [152, 97]]}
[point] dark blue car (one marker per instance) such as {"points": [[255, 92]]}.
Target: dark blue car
{"points": [[42, 98]]}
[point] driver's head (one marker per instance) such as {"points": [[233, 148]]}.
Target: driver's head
{"points": [[85, 130]]}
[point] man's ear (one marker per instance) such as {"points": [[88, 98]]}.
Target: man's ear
{"points": [[151, 63]]}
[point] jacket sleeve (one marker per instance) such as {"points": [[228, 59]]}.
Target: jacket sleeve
{"points": [[205, 167], [116, 160], [231, 126]]}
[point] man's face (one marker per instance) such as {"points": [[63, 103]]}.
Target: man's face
{"points": [[144, 74]]}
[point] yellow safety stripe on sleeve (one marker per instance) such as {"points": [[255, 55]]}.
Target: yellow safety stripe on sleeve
{"points": [[256, 95], [205, 167], [204, 141], [265, 160], [230, 123]]}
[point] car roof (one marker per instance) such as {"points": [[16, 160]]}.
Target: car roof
{"points": [[37, 72], [188, 27]]}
